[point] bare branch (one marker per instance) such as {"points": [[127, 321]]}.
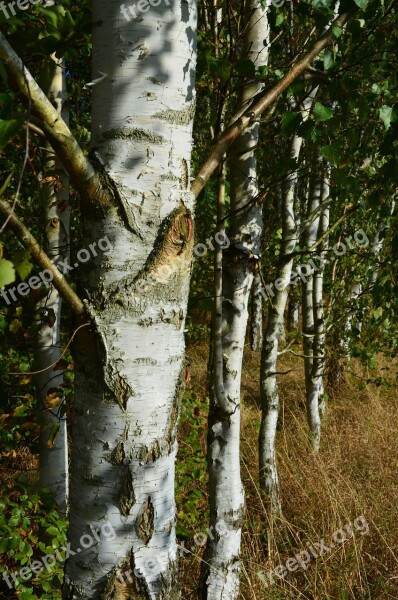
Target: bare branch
{"points": [[82, 173], [260, 104], [31, 244]]}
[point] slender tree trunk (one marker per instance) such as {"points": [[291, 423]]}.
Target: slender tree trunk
{"points": [[128, 362], [318, 366], [256, 329], [269, 481], [308, 293], [55, 193], [221, 566]]}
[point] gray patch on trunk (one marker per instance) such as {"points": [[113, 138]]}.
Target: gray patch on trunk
{"points": [[144, 525]]}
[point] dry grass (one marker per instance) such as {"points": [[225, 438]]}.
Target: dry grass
{"points": [[355, 474]]}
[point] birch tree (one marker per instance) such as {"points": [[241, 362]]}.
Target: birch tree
{"points": [[221, 566], [312, 297], [269, 481], [47, 346], [130, 311], [129, 348]]}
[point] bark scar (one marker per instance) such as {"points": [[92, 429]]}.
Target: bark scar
{"points": [[145, 521]]}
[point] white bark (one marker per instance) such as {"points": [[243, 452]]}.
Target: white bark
{"points": [[308, 292], [318, 366], [128, 368], [47, 346], [221, 566], [257, 315], [269, 481]]}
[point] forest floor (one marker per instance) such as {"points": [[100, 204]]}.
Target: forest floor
{"points": [[353, 479]]}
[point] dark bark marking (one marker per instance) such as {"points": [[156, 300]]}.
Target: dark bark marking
{"points": [[118, 456], [133, 134], [144, 525], [123, 391], [126, 495]]}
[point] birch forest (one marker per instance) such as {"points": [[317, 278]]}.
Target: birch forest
{"points": [[198, 300]]}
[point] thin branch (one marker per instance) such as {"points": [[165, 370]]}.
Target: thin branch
{"points": [[58, 359], [31, 244], [261, 103], [82, 173], [25, 160]]}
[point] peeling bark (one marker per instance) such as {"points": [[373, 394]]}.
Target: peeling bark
{"points": [[234, 272], [268, 473], [257, 315], [128, 363], [47, 345]]}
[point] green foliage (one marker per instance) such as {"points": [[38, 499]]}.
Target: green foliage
{"points": [[7, 131], [191, 468], [322, 113], [26, 519], [7, 272]]}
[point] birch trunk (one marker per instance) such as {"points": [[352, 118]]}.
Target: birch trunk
{"points": [[308, 293], [55, 194], [318, 366], [268, 474], [269, 481], [221, 566], [257, 315], [128, 363]]}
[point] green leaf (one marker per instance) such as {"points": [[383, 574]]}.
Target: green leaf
{"points": [[290, 122], [27, 595], [7, 272], [385, 115], [52, 436], [337, 31], [321, 112], [219, 69], [331, 153], [22, 264], [50, 16], [7, 130], [361, 3], [328, 60], [5, 184], [52, 530]]}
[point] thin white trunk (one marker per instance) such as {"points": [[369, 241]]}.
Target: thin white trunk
{"points": [[257, 315], [269, 481], [318, 366], [128, 363], [308, 292], [47, 351], [268, 473], [221, 567]]}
